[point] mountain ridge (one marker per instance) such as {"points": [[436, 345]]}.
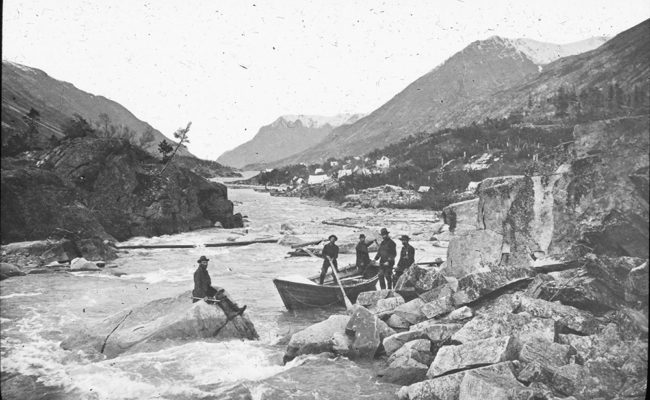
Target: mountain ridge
{"points": [[287, 135], [56, 101], [410, 112]]}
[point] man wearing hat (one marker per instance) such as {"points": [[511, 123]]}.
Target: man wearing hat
{"points": [[406, 258], [203, 289], [386, 255], [330, 253], [363, 258]]}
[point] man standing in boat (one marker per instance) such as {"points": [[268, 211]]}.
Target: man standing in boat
{"points": [[203, 290], [406, 258], [386, 256], [363, 258], [330, 254]]}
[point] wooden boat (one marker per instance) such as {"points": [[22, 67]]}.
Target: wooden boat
{"points": [[297, 295]]}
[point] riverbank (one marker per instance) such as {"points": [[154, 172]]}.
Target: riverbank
{"points": [[37, 312]]}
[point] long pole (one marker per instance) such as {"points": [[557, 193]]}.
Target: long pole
{"points": [[348, 303]]}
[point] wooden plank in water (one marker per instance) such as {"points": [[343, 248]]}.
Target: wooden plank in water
{"points": [[191, 246]]}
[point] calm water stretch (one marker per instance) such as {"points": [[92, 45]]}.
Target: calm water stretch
{"points": [[38, 310]]}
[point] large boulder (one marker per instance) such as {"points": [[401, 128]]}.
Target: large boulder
{"points": [[384, 308], [461, 216], [8, 270], [479, 284], [420, 278], [40, 252], [317, 338], [174, 318], [523, 326], [370, 299], [411, 311], [409, 364], [394, 342], [598, 285], [435, 331], [567, 318], [447, 387], [369, 332], [487, 384], [473, 354]]}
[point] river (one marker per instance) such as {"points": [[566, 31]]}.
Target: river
{"points": [[38, 311]]}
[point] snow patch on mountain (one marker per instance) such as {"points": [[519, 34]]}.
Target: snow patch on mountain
{"points": [[318, 121], [543, 53]]}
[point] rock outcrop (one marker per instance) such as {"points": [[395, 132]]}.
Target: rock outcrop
{"points": [[104, 189], [174, 318]]}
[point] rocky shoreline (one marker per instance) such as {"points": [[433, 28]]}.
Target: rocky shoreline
{"points": [[544, 293]]}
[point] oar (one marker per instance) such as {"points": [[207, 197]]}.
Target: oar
{"points": [[208, 299], [348, 303]]}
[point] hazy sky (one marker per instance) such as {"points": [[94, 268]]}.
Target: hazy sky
{"points": [[233, 66]]}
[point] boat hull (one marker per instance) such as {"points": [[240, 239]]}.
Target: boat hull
{"points": [[296, 295]]}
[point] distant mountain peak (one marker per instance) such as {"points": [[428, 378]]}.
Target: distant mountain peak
{"points": [[317, 121]]}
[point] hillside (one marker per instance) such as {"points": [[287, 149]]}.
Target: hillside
{"points": [[25, 87], [439, 98], [286, 136]]}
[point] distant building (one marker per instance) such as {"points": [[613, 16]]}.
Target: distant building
{"points": [[362, 171], [344, 172], [424, 189], [316, 179], [268, 170], [334, 163], [383, 163], [319, 171], [472, 186]]}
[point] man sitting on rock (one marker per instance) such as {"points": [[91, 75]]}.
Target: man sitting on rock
{"points": [[386, 256], [330, 254], [406, 258], [203, 290]]}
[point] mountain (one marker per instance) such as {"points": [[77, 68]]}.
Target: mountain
{"points": [[543, 53], [437, 99], [57, 101], [615, 72], [286, 136]]}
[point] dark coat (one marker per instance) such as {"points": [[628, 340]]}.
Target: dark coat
{"points": [[202, 283], [363, 258], [406, 257], [387, 252], [332, 251]]}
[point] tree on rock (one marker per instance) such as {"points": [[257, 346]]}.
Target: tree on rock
{"points": [[181, 135], [165, 149], [32, 118], [77, 127]]}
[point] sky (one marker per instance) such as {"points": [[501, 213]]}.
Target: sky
{"points": [[231, 67]]}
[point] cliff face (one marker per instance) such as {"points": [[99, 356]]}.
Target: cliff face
{"points": [[595, 203], [104, 188]]}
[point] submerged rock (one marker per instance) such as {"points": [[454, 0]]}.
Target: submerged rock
{"points": [[317, 338], [8, 270], [170, 318]]}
